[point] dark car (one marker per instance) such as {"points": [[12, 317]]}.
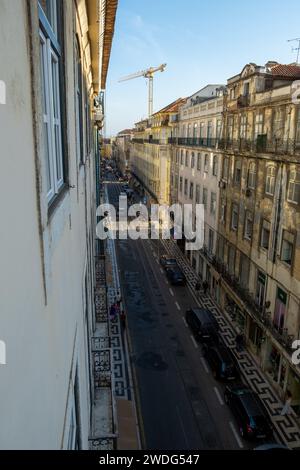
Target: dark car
{"points": [[221, 361], [176, 276], [251, 416], [168, 262], [202, 323]]}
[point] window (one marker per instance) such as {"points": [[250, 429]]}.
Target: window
{"points": [[210, 240], [243, 127], [209, 131], [206, 163], [180, 184], [225, 169], [261, 289], [187, 158], [50, 60], [202, 126], [185, 186], [191, 190], [213, 203], [177, 156], [189, 130], [78, 89], [234, 217], [197, 194], [223, 212], [181, 157], [270, 180], [246, 89], [280, 309], [199, 162], [231, 260], [219, 129], [259, 123], [294, 186], [193, 160], [195, 130], [204, 198], [244, 271], [265, 234], [238, 172], [248, 225], [215, 165], [298, 128], [230, 127], [220, 249], [287, 247], [278, 123], [251, 183]]}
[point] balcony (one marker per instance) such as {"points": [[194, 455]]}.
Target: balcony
{"points": [[261, 145], [243, 101], [281, 335], [194, 141]]}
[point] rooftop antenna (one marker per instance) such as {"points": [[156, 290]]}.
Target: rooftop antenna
{"points": [[296, 49]]}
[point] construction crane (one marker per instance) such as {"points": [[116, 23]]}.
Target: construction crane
{"points": [[149, 73]]}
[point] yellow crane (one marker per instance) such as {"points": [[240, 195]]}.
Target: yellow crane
{"points": [[149, 73]]}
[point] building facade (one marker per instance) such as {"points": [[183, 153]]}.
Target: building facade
{"points": [[152, 152], [199, 160], [121, 149], [258, 251], [54, 60]]}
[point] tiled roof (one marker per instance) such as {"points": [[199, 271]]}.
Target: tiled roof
{"points": [[171, 108], [290, 71], [126, 131]]}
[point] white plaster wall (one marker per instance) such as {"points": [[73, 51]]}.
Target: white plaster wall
{"points": [[43, 342]]}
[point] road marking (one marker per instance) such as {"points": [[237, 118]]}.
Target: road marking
{"points": [[182, 426], [194, 342], [166, 281], [171, 292], [184, 321], [204, 365], [219, 396], [237, 437], [161, 270], [157, 261], [177, 305]]}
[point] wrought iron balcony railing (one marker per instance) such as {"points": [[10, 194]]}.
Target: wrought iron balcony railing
{"points": [[261, 145], [259, 311], [194, 141]]}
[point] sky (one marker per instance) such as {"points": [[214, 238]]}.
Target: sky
{"points": [[202, 42]]}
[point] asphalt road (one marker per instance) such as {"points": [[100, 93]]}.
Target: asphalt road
{"points": [[180, 404]]}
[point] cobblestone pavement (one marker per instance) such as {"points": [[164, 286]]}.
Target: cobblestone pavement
{"points": [[285, 426]]}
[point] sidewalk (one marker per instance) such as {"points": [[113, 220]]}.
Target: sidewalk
{"points": [[286, 427], [128, 430]]}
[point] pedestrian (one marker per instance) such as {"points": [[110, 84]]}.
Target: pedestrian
{"points": [[118, 299], [239, 341], [123, 319], [112, 311], [287, 409], [205, 286]]}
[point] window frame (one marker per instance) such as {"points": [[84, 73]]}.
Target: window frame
{"points": [[51, 63]]}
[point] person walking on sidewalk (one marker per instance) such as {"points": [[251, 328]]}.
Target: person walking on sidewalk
{"points": [[205, 286], [287, 409]]}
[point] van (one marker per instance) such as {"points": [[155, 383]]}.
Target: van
{"points": [[221, 361], [202, 323]]}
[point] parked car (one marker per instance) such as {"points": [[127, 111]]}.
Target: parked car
{"points": [[175, 275], [272, 446], [221, 361], [251, 416], [168, 262], [202, 323]]}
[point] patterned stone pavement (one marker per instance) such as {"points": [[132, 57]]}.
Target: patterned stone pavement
{"points": [[286, 427]]}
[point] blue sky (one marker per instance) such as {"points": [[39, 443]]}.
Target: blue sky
{"points": [[201, 42]]}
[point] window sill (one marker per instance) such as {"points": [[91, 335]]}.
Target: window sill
{"points": [[57, 200]]}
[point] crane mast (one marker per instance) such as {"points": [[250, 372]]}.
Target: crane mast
{"points": [[149, 74]]}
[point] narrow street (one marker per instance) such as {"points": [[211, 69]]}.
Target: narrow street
{"points": [[180, 404]]}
